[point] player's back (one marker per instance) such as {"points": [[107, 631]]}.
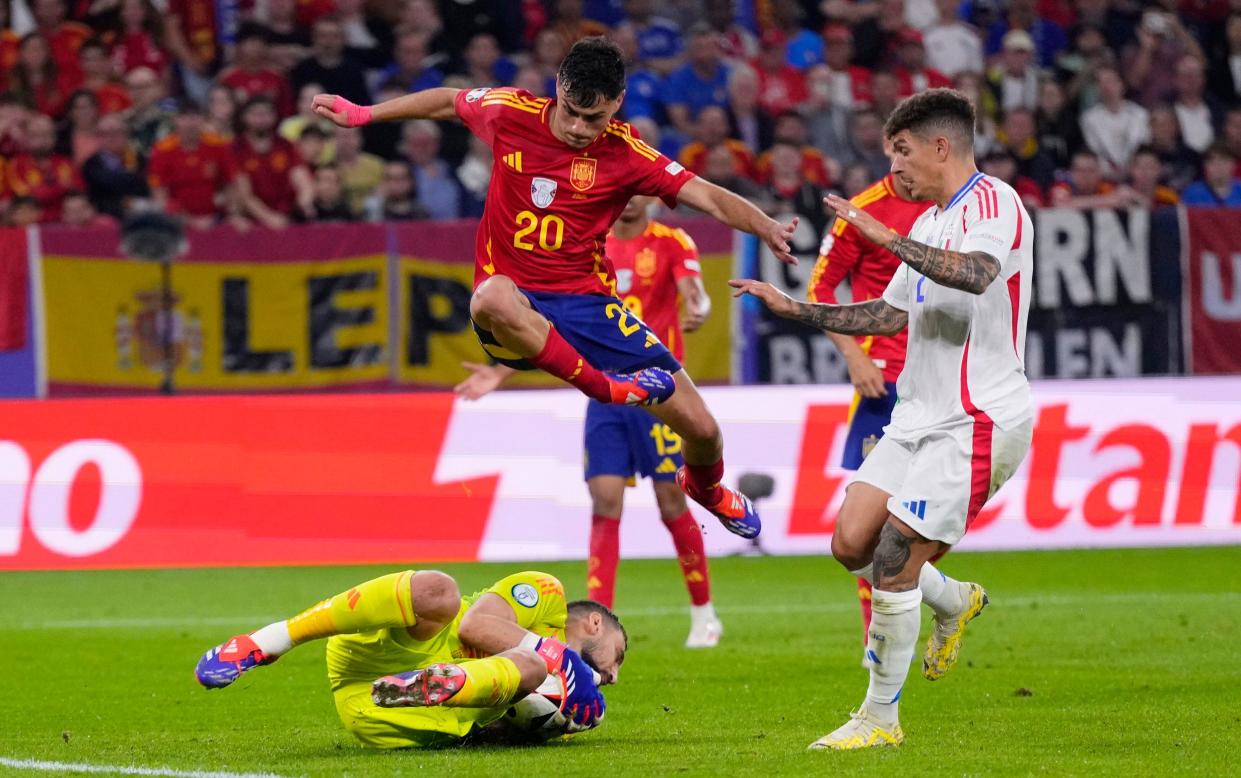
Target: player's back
{"points": [[648, 267], [966, 352], [549, 205]]}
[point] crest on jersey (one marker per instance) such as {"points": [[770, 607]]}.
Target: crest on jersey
{"points": [[582, 173], [644, 263], [474, 95], [624, 280], [542, 191]]}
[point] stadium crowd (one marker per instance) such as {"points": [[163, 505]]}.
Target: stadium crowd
{"points": [[202, 108]]}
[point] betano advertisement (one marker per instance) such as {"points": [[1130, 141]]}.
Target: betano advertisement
{"points": [[408, 479], [317, 307]]}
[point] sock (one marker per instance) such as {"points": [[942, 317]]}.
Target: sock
{"points": [[704, 612], [945, 595], [378, 603], [604, 557], [563, 361], [273, 639], [893, 634], [864, 600], [687, 538], [702, 482], [488, 682], [867, 573]]}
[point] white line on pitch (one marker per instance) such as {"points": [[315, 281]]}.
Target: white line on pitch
{"points": [[82, 767]]}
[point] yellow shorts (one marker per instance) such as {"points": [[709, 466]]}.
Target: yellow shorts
{"points": [[406, 727]]}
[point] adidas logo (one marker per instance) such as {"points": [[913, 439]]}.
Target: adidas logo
{"points": [[916, 507], [666, 466], [513, 160]]}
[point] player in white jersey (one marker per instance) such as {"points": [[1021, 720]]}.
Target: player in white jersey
{"points": [[963, 419]]}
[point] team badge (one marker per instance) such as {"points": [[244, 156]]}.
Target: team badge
{"points": [[474, 95], [542, 191], [644, 263], [525, 594], [624, 280], [582, 173]]}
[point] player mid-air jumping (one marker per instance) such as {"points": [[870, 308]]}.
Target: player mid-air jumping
{"points": [[655, 265], [412, 663], [544, 292], [964, 420]]}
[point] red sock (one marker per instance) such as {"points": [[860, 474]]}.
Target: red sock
{"points": [[702, 482], [562, 360], [687, 537], [604, 557], [863, 598]]}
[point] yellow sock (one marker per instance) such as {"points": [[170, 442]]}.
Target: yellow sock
{"points": [[378, 603], [488, 682]]}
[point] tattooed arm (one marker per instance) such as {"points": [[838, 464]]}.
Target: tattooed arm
{"points": [[873, 317], [972, 272]]}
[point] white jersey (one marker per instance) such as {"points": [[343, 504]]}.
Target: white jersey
{"points": [[965, 359]]}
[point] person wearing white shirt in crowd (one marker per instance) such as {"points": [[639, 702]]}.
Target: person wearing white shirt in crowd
{"points": [[1015, 81], [1114, 127], [1193, 112], [952, 46]]}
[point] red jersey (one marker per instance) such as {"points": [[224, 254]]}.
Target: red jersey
{"points": [[694, 156], [9, 41], [781, 91], [268, 83], [139, 50], [549, 205], [191, 177], [113, 98], [813, 167], [269, 171], [47, 180], [846, 253], [648, 268], [197, 19], [64, 42]]}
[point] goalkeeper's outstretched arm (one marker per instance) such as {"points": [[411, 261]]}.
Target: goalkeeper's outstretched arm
{"points": [[438, 103]]}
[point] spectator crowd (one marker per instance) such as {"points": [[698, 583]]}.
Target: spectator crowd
{"points": [[202, 107]]}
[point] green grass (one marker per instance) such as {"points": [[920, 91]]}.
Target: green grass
{"points": [[1131, 658]]}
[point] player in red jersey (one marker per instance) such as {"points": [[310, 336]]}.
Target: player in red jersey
{"points": [[544, 289], [874, 361], [655, 265]]}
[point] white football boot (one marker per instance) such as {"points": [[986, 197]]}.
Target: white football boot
{"points": [[860, 731], [705, 627]]}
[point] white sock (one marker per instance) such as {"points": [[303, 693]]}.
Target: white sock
{"points": [[704, 612], [890, 646], [273, 639], [945, 595], [866, 573]]}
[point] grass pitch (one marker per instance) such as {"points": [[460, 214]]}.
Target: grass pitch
{"points": [[1086, 663]]}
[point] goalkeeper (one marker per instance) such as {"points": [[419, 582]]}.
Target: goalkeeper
{"points": [[412, 663]]}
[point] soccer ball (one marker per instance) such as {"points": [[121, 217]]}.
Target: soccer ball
{"points": [[538, 715]]}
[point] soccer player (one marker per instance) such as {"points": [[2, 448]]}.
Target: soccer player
{"points": [[412, 663], [563, 171], [874, 361], [654, 265], [965, 416]]}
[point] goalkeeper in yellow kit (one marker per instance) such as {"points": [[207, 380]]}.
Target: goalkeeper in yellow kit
{"points": [[412, 663]]}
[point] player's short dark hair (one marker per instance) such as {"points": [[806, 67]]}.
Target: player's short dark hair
{"points": [[1217, 151], [579, 609], [945, 111], [594, 68]]}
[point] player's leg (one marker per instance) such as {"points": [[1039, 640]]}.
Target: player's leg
{"points": [[607, 499], [422, 602], [703, 451], [705, 627], [476, 683], [521, 334]]}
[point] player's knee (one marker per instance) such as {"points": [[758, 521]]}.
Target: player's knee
{"points": [[671, 503], [847, 550], [892, 569], [606, 505], [532, 668], [435, 596], [494, 301], [701, 428]]}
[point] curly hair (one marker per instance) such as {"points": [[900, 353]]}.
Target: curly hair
{"points": [[594, 68], [941, 110]]}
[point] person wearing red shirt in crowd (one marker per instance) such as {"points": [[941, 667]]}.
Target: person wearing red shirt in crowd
{"points": [[251, 74], [140, 41], [191, 174], [272, 180], [781, 87], [99, 78], [850, 83], [874, 361], [791, 128], [40, 173], [1002, 164], [37, 81], [64, 38], [711, 130], [190, 34], [9, 41], [913, 73]]}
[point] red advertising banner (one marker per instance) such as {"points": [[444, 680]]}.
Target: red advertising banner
{"points": [[1213, 289]]}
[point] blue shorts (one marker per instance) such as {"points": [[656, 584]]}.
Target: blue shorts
{"points": [[600, 327], [870, 416], [623, 440]]}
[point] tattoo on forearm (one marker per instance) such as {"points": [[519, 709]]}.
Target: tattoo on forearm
{"points": [[873, 317], [891, 554], [971, 272]]}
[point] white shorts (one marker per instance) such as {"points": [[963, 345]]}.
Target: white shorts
{"points": [[939, 482]]}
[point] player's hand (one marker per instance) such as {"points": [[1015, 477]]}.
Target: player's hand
{"points": [[871, 228], [340, 111], [776, 301], [483, 379], [777, 237], [583, 702], [866, 377]]}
